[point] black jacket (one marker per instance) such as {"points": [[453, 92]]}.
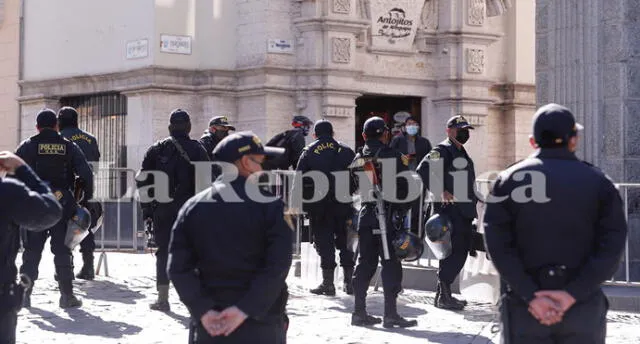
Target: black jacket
{"points": [[25, 201], [56, 161], [240, 250], [423, 146], [576, 219], [87, 142], [293, 141], [209, 141], [437, 171]]}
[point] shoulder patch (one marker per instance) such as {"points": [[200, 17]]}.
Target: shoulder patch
{"points": [[434, 155]]}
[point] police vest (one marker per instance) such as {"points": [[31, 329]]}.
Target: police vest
{"points": [[53, 159]]}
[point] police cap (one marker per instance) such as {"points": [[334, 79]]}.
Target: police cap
{"points": [[179, 116], [68, 113], [553, 125], [222, 121], [46, 118], [374, 126], [323, 128], [459, 122], [236, 145]]}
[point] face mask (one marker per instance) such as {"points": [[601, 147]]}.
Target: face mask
{"points": [[412, 130], [462, 136], [221, 134], [305, 131]]}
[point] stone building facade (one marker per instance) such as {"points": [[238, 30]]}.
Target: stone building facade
{"points": [[262, 61], [9, 72]]}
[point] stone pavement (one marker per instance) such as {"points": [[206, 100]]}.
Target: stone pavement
{"points": [[116, 311]]}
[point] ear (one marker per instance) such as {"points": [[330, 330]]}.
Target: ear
{"points": [[532, 142]]}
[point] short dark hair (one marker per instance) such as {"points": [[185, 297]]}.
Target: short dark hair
{"points": [[180, 127]]}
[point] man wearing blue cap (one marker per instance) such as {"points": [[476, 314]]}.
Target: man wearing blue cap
{"points": [[554, 250], [328, 216], [172, 156], [452, 167], [231, 273], [56, 161]]}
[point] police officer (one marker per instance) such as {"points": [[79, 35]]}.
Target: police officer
{"points": [[293, 141], [218, 129], [448, 164], [27, 202], [555, 244], [242, 259], [328, 216], [57, 161], [68, 126], [376, 135], [172, 156]]}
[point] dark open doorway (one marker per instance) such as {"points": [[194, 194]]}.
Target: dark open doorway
{"points": [[386, 107]]}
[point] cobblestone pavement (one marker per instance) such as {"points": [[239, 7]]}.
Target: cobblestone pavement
{"points": [[116, 310]]}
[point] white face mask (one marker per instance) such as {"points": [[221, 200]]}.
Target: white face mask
{"points": [[412, 130]]}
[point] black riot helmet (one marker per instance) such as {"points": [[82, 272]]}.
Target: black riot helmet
{"points": [[407, 246], [438, 235], [67, 117], [77, 227]]}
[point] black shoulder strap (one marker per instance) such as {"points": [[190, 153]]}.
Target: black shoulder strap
{"points": [[181, 150]]}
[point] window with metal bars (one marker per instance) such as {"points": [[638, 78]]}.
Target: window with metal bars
{"points": [[103, 115]]}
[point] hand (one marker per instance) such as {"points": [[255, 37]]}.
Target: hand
{"points": [[545, 310], [560, 297], [210, 322], [9, 162], [229, 320], [447, 197]]}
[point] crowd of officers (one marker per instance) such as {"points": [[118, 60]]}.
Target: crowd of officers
{"points": [[230, 269]]}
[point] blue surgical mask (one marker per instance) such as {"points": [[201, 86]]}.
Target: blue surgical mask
{"points": [[412, 130]]}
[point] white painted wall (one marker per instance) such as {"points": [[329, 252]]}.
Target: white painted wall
{"points": [[211, 25], [80, 37]]}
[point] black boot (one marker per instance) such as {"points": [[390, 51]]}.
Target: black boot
{"points": [[347, 286], [67, 299], [445, 300], [326, 287], [162, 304], [394, 320], [87, 272], [361, 318]]}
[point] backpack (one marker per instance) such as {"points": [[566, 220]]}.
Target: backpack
{"points": [[281, 140], [172, 160]]}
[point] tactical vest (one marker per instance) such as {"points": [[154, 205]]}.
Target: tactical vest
{"points": [[53, 160]]}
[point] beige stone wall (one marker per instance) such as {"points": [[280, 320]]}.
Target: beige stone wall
{"points": [[9, 68]]}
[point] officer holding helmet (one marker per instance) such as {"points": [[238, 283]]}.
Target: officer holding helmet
{"points": [[446, 166], [68, 126], [554, 248], [231, 273], [376, 135], [57, 161]]}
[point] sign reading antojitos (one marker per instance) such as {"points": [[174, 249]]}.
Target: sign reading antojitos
{"points": [[394, 23]]}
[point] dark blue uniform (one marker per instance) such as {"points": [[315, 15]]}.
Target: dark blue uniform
{"points": [[293, 141], [566, 232], [89, 146], [370, 243], [226, 254], [463, 211], [57, 161], [27, 202], [208, 140], [182, 181], [328, 217]]}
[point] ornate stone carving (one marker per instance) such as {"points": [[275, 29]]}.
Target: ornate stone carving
{"points": [[430, 15], [475, 15], [342, 6], [341, 50], [363, 9], [475, 61]]}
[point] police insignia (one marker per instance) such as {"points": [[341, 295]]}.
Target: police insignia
{"points": [[434, 155], [289, 221], [405, 160]]}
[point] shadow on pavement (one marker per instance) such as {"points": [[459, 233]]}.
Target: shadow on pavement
{"points": [[109, 291], [179, 318], [82, 323], [436, 337]]}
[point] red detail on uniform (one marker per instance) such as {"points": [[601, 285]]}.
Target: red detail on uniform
{"points": [[370, 170]]}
